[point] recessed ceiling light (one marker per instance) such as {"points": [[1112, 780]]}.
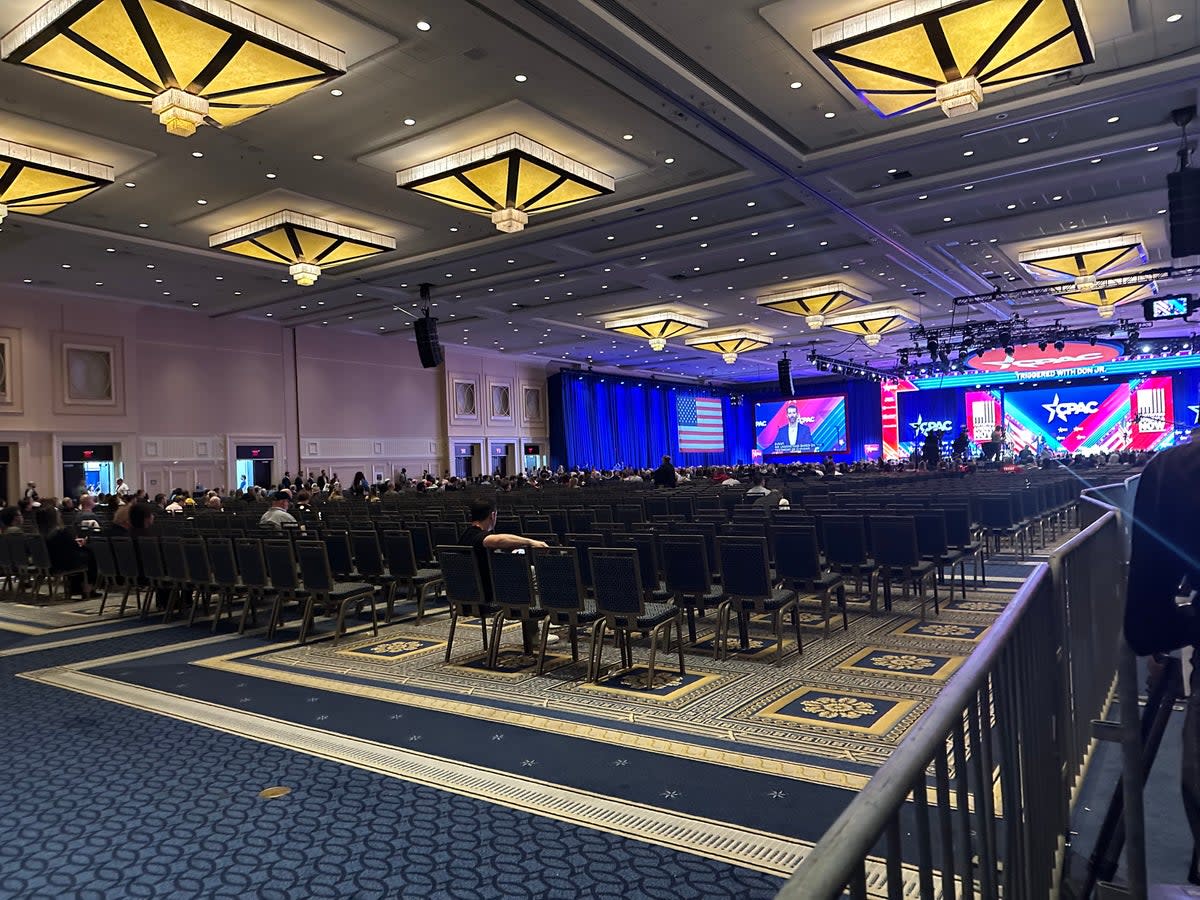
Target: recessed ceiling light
{"points": [[1056, 197], [454, 228], [741, 259], [946, 219], [318, 157], [143, 224], [110, 249], [149, 265], [28, 281], [197, 154], [130, 184], [194, 304], [1096, 160], [1162, 212], [270, 315], [704, 245], [237, 293], [1113, 120], [166, 293], [1174, 17], [830, 114], [521, 78], [270, 174], [410, 122], [159, 281], [669, 160], [1012, 206], [750, 203], [202, 202], [336, 92], [627, 137], [922, 196], [892, 171], [423, 25], [968, 187], [968, 153], [824, 243], [1152, 149], [658, 226], [796, 85]]}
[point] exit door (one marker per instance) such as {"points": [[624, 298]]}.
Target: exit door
{"points": [[88, 468]]}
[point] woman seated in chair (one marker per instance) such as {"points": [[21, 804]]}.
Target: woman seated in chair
{"points": [[67, 552]]}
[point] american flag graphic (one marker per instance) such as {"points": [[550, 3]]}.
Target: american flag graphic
{"points": [[701, 424]]}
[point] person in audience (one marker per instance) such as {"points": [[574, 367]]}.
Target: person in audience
{"points": [[322, 480], [286, 481], [11, 520], [757, 488], [67, 552], [479, 534], [176, 504], [85, 519], [664, 475], [1165, 554], [212, 505], [278, 516], [359, 486], [122, 489]]}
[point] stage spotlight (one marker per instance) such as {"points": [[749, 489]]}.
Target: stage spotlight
{"points": [[1009, 350], [1092, 341], [932, 346], [1134, 334], [1059, 345], [1042, 345]]}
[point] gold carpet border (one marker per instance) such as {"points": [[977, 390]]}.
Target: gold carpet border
{"points": [[83, 639], [839, 778], [734, 845]]}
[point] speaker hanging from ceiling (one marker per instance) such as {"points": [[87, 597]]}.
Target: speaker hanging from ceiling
{"points": [[785, 376], [1183, 193], [428, 345]]}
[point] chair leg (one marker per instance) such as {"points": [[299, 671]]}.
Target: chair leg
{"points": [[654, 633], [824, 611], [307, 620], [719, 647], [679, 641], [596, 656], [541, 666], [453, 625], [796, 625], [493, 654], [778, 617], [247, 606], [842, 605]]}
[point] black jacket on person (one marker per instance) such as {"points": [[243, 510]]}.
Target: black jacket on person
{"points": [[65, 553], [664, 476], [1166, 549]]}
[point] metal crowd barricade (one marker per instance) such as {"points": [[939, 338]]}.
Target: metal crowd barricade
{"points": [[975, 801]]}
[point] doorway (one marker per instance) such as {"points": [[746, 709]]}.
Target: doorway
{"points": [[502, 459], [254, 463], [8, 471], [89, 467], [466, 460]]}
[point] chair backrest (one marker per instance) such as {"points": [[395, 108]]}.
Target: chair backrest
{"points": [[845, 540], [195, 556], [646, 544], [797, 556], [443, 533], [315, 567], [464, 584], [895, 540], [149, 551], [681, 505], [251, 565], [535, 523], [125, 556], [628, 513], [281, 565], [337, 549], [512, 579], [422, 542], [585, 543], [745, 567], [222, 559], [656, 506], [996, 511], [685, 565], [398, 548], [932, 539], [560, 586], [102, 551], [174, 558], [39, 553], [581, 520], [706, 530], [367, 555], [558, 521], [617, 584], [958, 525]]}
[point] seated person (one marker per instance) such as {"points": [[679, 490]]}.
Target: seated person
{"points": [[67, 552], [278, 516]]}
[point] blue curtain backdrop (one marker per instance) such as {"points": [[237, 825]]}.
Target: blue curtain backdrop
{"points": [[606, 421]]}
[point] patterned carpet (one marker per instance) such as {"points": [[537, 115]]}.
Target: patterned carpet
{"points": [[138, 752]]}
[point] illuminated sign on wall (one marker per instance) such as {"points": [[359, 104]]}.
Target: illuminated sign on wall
{"points": [[1032, 360]]}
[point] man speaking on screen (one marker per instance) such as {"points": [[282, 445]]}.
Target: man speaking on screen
{"points": [[796, 436]]}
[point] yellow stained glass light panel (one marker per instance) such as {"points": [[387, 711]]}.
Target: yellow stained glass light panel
{"points": [[288, 238], [822, 304], [32, 182], [1103, 296], [241, 63], [1093, 262], [896, 67]]}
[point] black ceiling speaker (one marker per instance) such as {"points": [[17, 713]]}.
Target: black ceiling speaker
{"points": [[785, 376], [428, 345], [1183, 193]]}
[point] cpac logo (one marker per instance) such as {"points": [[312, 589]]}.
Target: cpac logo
{"points": [[923, 428], [1044, 362], [1060, 411]]}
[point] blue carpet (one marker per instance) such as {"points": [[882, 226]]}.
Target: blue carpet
{"points": [[102, 800]]}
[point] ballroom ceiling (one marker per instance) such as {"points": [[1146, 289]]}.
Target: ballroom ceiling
{"points": [[741, 167]]}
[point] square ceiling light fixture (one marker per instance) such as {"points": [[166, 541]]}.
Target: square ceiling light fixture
{"points": [[729, 342], [870, 324], [191, 61], [1086, 258], [909, 55], [814, 303], [37, 182], [306, 244], [507, 179], [1088, 292], [656, 325]]}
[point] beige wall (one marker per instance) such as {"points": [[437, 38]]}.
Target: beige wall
{"points": [[192, 387]]}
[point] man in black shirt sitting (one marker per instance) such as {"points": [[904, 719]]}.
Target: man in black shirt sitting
{"points": [[480, 535], [1166, 550]]}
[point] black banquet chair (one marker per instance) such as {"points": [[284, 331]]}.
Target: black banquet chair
{"points": [[746, 578]]}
